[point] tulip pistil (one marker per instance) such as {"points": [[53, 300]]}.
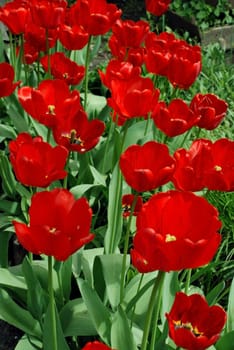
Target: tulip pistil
{"points": [[187, 325]]}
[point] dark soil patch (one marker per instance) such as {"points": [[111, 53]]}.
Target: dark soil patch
{"points": [[9, 336]]}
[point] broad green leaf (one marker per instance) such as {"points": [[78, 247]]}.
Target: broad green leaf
{"points": [[48, 332], [25, 344], [17, 316], [79, 190], [121, 334], [99, 314], [87, 261], [99, 179], [225, 342], [111, 266], [7, 131], [11, 208], [64, 271], [10, 280], [75, 319], [115, 219], [230, 311], [37, 299], [170, 287], [138, 131]]}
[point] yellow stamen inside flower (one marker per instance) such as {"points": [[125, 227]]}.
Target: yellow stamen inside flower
{"points": [[51, 109], [187, 325], [65, 75], [73, 139], [218, 168], [52, 230], [170, 238]]}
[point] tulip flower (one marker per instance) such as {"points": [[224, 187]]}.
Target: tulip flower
{"points": [[96, 345], [50, 100], [48, 14], [157, 7], [127, 203], [210, 109], [132, 97], [77, 133], [193, 324], [63, 68], [175, 230], [35, 162], [96, 17], [58, 226], [174, 119], [7, 75], [15, 15], [147, 167]]}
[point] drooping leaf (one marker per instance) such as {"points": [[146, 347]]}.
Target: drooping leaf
{"points": [[98, 312], [75, 319]]}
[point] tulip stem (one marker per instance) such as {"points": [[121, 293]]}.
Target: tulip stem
{"points": [[126, 245], [187, 282], [86, 78], [52, 303], [155, 321], [157, 289]]}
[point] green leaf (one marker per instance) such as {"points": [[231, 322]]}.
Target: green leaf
{"points": [[87, 261], [170, 287], [10, 280], [48, 331], [225, 342], [17, 316], [25, 344], [111, 266], [37, 298], [79, 190], [99, 179], [213, 296], [7, 131], [75, 319], [121, 334], [98, 312], [230, 311], [115, 219], [4, 243], [6, 173]]}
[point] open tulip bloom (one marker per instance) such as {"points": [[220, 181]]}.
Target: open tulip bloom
{"points": [[111, 198]]}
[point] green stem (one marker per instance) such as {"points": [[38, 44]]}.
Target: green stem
{"points": [[126, 246], [155, 321], [52, 303], [187, 283], [138, 288], [110, 133], [157, 287], [86, 79]]}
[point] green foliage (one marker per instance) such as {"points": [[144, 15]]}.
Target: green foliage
{"points": [[203, 14]]}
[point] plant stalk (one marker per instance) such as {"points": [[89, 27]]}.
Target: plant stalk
{"points": [[52, 303]]}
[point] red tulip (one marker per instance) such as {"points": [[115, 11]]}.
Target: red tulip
{"points": [[205, 165], [219, 172], [185, 64], [118, 70], [127, 202], [39, 38], [147, 167], [48, 14], [96, 345], [35, 162], [96, 17], [158, 52], [63, 68], [15, 15], [59, 224], [175, 231], [210, 109], [157, 7], [133, 97], [189, 174], [73, 37], [174, 119], [7, 75], [193, 324], [77, 133], [52, 99]]}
